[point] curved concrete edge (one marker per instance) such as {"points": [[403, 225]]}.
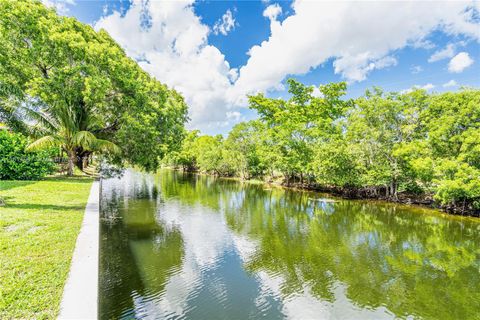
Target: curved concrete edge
{"points": [[80, 294]]}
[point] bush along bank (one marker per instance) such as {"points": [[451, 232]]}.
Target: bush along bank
{"points": [[18, 164]]}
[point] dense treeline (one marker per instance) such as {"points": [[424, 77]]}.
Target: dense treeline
{"points": [[411, 145], [67, 86]]}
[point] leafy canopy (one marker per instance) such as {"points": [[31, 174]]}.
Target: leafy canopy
{"points": [[81, 81]]}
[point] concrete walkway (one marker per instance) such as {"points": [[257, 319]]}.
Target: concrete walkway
{"points": [[80, 295]]}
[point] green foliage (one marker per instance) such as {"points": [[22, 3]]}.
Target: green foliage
{"points": [[208, 153], [458, 184], [379, 145], [80, 90], [453, 120], [384, 128], [186, 156], [245, 143], [295, 126], [18, 164], [336, 164]]}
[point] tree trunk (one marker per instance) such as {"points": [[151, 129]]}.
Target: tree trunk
{"points": [[82, 158], [79, 163], [394, 190], [71, 163], [85, 159]]}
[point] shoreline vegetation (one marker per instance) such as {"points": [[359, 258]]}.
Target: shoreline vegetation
{"points": [[409, 147], [426, 202]]}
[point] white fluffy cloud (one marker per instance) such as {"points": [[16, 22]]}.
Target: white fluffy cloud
{"points": [[460, 62], [356, 67], [447, 52], [60, 5], [272, 11], [427, 87], [175, 50], [171, 43], [451, 83], [358, 36], [225, 24], [416, 69]]}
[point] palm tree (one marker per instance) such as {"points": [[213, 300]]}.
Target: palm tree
{"points": [[9, 117], [71, 127]]}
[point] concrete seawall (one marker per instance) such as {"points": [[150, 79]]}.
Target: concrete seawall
{"points": [[80, 294]]}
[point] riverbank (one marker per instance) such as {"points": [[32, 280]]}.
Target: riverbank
{"points": [[39, 224], [424, 200]]}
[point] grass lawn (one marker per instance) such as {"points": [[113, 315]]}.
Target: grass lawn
{"points": [[38, 228]]}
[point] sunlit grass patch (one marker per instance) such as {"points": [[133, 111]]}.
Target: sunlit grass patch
{"points": [[39, 224]]}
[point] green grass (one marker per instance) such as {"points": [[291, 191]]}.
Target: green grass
{"points": [[39, 225]]}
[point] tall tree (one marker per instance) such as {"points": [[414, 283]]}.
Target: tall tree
{"points": [[377, 126], [61, 65], [453, 121], [71, 129], [245, 144], [298, 123]]}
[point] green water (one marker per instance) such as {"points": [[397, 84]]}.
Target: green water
{"points": [[178, 246]]}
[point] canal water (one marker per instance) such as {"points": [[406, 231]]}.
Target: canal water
{"points": [[182, 246]]}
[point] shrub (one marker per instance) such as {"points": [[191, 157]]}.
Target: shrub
{"points": [[458, 185], [17, 164]]}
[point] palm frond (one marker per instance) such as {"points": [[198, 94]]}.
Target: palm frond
{"points": [[38, 116], [43, 143], [105, 146], [84, 139], [10, 116], [37, 131]]}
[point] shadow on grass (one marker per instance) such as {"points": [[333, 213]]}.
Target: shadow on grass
{"points": [[11, 184], [36, 206], [74, 179]]}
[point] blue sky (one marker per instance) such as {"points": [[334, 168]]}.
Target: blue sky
{"points": [[217, 52]]}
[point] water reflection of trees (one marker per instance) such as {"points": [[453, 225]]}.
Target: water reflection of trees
{"points": [[134, 237], [413, 263]]}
